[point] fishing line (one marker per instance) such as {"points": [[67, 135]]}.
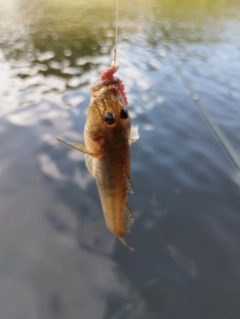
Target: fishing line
{"points": [[116, 26], [114, 62], [197, 101]]}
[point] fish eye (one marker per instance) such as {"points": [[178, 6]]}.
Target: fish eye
{"points": [[109, 118], [124, 113]]}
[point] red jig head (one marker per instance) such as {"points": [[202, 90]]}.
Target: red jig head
{"points": [[108, 74]]}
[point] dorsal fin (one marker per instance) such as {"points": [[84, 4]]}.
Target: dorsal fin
{"points": [[129, 219], [130, 189], [89, 164]]}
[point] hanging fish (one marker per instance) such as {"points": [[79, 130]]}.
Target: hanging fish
{"points": [[107, 137]]}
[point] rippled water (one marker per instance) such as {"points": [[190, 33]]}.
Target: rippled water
{"points": [[58, 260]]}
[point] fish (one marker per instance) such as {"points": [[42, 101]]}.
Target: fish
{"points": [[107, 137]]}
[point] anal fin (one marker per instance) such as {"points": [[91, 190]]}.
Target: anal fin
{"points": [[89, 164], [129, 220], [130, 189]]}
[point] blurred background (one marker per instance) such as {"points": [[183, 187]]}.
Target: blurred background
{"points": [[57, 258]]}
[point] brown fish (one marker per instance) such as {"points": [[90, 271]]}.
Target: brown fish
{"points": [[107, 138]]}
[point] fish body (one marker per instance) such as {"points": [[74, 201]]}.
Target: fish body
{"points": [[107, 139]]}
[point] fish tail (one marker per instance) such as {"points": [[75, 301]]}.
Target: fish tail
{"points": [[125, 244]]}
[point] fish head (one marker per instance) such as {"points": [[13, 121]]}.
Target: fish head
{"points": [[107, 113]]}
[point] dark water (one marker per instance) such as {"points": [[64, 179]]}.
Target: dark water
{"points": [[57, 259]]}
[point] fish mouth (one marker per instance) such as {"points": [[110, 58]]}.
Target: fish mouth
{"points": [[100, 87], [108, 82]]}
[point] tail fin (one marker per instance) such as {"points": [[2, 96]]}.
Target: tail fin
{"points": [[125, 244]]}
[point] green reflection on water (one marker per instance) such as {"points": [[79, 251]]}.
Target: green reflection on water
{"points": [[86, 28]]}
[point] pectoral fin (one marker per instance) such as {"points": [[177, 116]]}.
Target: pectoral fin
{"points": [[79, 147], [134, 135]]}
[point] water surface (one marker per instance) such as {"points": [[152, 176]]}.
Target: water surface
{"points": [[58, 260]]}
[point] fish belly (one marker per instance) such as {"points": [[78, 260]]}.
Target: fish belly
{"points": [[111, 178]]}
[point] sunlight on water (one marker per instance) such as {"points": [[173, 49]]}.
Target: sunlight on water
{"points": [[183, 261], [49, 168], [58, 259]]}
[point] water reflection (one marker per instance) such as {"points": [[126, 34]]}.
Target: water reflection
{"points": [[183, 261], [57, 258]]}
